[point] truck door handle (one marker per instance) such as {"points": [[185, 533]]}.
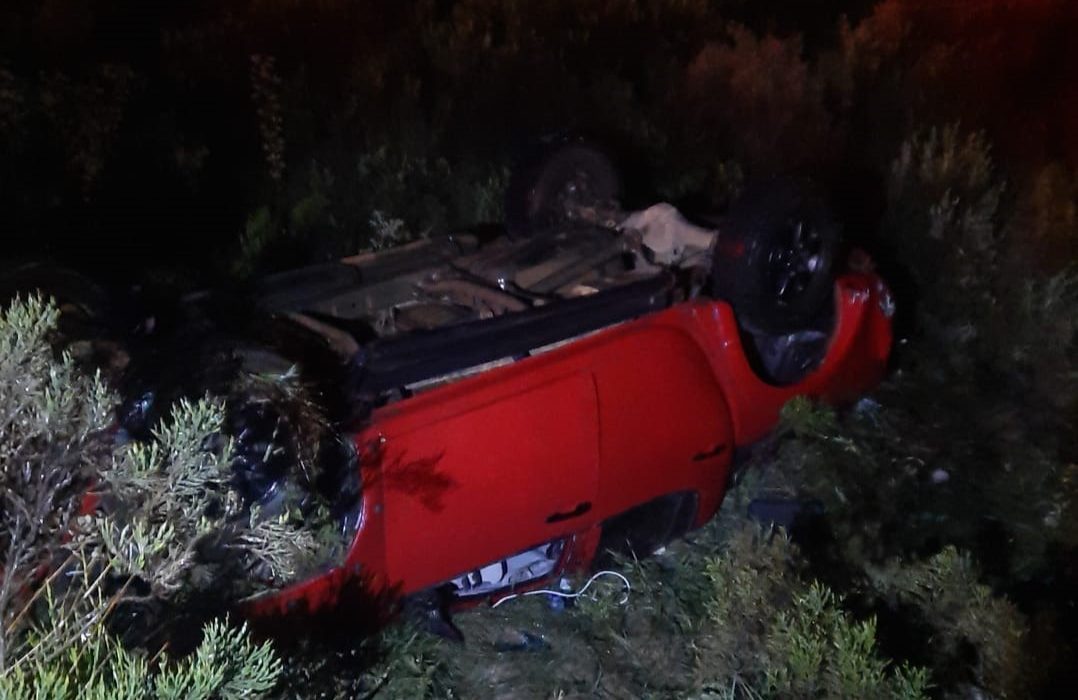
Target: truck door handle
{"points": [[582, 508], [708, 454]]}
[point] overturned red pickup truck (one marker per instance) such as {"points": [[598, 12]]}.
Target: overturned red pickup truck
{"points": [[579, 385], [504, 407]]}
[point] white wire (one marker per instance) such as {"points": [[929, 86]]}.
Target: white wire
{"points": [[544, 591]]}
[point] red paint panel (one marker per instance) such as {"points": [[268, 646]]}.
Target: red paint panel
{"points": [[473, 487], [855, 362], [664, 423]]}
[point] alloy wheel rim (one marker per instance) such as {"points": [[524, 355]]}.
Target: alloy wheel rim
{"points": [[794, 266]]}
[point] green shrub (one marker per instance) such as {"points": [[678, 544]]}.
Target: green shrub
{"points": [[945, 596], [943, 220], [750, 582], [970, 440], [226, 665], [402, 661], [894, 482], [170, 500], [771, 634], [67, 567], [411, 666], [816, 650], [386, 196], [53, 423], [985, 306], [85, 114], [732, 614]]}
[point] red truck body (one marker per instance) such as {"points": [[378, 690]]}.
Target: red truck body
{"points": [[551, 447]]}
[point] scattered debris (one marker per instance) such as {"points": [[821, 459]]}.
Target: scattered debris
{"points": [[521, 640]]}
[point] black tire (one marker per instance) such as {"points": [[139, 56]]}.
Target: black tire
{"points": [[546, 192], [775, 259]]}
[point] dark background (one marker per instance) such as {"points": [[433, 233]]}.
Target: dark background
{"points": [[135, 138]]}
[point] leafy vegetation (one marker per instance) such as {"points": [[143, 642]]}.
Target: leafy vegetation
{"points": [[72, 570], [774, 635], [731, 613], [226, 665], [53, 434]]}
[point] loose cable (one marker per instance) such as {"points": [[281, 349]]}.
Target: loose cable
{"points": [[560, 594]]}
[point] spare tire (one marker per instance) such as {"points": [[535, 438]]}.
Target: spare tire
{"points": [[554, 187], [775, 258]]}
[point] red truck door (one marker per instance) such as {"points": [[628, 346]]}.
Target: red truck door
{"points": [[489, 474]]}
